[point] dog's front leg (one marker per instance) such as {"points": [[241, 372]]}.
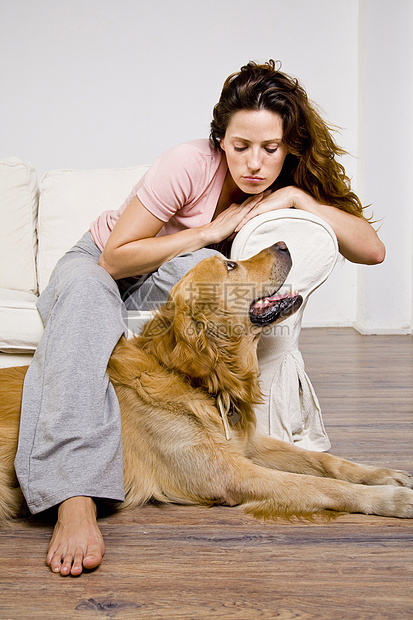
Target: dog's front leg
{"points": [[275, 454], [270, 494], [216, 473]]}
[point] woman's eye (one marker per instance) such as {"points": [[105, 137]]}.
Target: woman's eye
{"points": [[230, 265], [239, 149], [274, 150]]}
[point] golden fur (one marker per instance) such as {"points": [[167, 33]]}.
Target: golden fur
{"points": [[195, 358]]}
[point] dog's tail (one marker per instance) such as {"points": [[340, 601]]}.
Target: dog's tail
{"points": [[11, 387], [11, 501]]}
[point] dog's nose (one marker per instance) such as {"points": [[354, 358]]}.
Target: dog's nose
{"points": [[280, 247]]}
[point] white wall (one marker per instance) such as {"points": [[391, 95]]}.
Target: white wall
{"points": [[385, 292], [112, 83]]}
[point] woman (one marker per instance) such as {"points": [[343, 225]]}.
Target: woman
{"points": [[268, 149]]}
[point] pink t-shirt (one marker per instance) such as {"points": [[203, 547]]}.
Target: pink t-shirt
{"points": [[181, 188]]}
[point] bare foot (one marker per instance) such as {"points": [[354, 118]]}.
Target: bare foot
{"points": [[76, 542]]}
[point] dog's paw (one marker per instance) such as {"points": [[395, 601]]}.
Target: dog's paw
{"points": [[388, 501], [392, 477], [403, 504]]}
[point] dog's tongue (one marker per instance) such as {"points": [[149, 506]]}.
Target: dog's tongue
{"points": [[266, 302]]}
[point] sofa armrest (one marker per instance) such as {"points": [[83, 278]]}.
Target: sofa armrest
{"points": [[18, 216], [290, 410]]}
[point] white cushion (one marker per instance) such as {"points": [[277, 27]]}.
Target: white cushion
{"points": [[21, 325], [69, 201], [18, 213], [9, 359], [310, 240], [290, 409]]}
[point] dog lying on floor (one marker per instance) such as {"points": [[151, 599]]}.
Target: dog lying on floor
{"points": [[187, 386]]}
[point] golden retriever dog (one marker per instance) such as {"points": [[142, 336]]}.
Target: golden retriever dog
{"points": [[187, 386]]}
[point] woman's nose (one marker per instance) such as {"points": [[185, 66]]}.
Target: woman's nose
{"points": [[254, 160]]}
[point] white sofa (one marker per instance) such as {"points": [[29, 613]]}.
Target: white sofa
{"points": [[39, 222]]}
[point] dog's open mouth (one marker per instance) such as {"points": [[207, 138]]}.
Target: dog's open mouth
{"points": [[267, 310]]}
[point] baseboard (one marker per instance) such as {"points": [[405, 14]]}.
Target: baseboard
{"points": [[381, 331], [365, 331], [311, 324]]}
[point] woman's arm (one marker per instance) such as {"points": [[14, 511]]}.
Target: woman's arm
{"points": [[357, 239], [133, 248]]}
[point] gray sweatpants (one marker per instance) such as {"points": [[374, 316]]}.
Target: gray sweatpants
{"points": [[70, 440]]}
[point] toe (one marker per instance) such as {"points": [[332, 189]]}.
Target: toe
{"points": [[54, 560], [77, 564], [66, 565], [93, 556]]}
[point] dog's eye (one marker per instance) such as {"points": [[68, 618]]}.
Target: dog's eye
{"points": [[230, 265]]}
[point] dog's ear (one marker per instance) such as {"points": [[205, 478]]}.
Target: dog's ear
{"points": [[194, 353], [179, 340]]}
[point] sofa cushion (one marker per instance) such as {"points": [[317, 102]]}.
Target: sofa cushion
{"points": [[18, 213], [8, 359], [69, 201], [21, 325]]}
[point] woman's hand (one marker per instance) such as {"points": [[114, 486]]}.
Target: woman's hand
{"points": [[357, 239], [227, 223], [283, 198]]}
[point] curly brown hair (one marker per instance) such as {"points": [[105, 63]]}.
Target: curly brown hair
{"points": [[311, 161]]}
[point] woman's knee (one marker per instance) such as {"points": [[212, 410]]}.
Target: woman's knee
{"points": [[85, 277], [80, 284]]}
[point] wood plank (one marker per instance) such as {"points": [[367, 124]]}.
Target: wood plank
{"points": [[191, 562]]}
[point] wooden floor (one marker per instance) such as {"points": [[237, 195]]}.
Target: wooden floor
{"points": [[179, 562]]}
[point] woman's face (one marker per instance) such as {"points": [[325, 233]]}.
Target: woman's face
{"points": [[254, 149]]}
